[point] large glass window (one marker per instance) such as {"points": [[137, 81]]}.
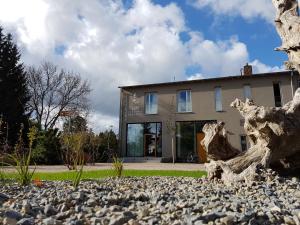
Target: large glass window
{"points": [[184, 101], [218, 99], [277, 94], [144, 139], [151, 103], [247, 92], [135, 140]]}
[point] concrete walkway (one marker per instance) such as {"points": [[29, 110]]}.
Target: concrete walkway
{"points": [[128, 166]]}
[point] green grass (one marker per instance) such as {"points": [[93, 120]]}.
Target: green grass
{"points": [[69, 175]]}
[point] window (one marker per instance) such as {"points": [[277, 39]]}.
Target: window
{"points": [[184, 101], [243, 143], [135, 143], [247, 92], [151, 103], [218, 99], [144, 139], [277, 94]]}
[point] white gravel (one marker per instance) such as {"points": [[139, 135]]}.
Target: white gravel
{"points": [[152, 200]]}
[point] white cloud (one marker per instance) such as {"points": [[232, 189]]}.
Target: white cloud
{"points": [[248, 9], [259, 67], [221, 58], [111, 45], [197, 76]]}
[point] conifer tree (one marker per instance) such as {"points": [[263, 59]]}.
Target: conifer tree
{"points": [[13, 91]]}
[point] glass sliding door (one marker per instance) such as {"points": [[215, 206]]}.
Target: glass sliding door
{"points": [[185, 140], [188, 137], [152, 139], [135, 140]]}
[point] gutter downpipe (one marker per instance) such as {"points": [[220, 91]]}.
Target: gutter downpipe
{"points": [[121, 124]]}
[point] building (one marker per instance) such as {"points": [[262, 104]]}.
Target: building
{"points": [[152, 115]]}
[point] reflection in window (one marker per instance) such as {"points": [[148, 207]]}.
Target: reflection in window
{"points": [[184, 101], [152, 134], [144, 140], [135, 136], [151, 103], [247, 92], [218, 99], [185, 139]]}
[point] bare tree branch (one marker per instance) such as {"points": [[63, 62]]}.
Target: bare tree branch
{"points": [[53, 91]]}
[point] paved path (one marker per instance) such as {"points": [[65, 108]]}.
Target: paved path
{"points": [[128, 166]]}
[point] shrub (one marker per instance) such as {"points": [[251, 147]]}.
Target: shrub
{"points": [[21, 159], [117, 166]]}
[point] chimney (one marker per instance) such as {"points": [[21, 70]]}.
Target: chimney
{"points": [[247, 70]]}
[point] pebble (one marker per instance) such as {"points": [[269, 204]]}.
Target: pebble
{"points": [[152, 200]]}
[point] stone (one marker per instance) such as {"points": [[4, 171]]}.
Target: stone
{"points": [[26, 221], [4, 197], [227, 220], [49, 210], [51, 221], [288, 220], [26, 208], [13, 214]]}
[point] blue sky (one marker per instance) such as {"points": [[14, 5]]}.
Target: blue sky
{"points": [[259, 35], [115, 43]]}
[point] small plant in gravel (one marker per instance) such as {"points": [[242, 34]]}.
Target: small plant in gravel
{"points": [[74, 154], [21, 158], [117, 166]]}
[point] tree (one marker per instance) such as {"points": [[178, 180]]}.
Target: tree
{"points": [[76, 124], [53, 91], [47, 148], [14, 94], [108, 145]]}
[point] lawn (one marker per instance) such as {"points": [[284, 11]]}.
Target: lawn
{"points": [[107, 173]]}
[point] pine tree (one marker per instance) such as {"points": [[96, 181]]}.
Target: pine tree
{"points": [[13, 91]]}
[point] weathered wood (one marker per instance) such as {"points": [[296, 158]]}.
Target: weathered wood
{"points": [[274, 141], [216, 136], [273, 132], [288, 27]]}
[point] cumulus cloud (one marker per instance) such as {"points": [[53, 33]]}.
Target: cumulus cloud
{"points": [[223, 57], [248, 9], [113, 45], [197, 76], [259, 67]]}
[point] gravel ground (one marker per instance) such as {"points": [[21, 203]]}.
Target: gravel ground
{"points": [[153, 200]]}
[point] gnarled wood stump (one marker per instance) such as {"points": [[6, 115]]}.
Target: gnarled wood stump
{"points": [[274, 135]]}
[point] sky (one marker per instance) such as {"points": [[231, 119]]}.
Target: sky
{"points": [[114, 43]]}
